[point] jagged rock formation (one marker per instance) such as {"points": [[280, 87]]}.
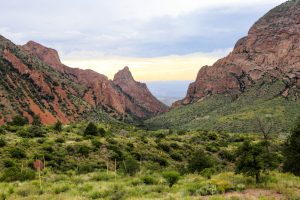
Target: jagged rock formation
{"points": [[139, 92], [35, 82], [271, 51]]}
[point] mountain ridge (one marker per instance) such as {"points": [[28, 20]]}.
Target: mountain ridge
{"points": [[52, 90]]}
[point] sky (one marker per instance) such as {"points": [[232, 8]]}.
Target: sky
{"points": [[157, 39]]}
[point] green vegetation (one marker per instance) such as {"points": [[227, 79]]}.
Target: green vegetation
{"points": [[119, 161], [292, 151], [229, 113]]}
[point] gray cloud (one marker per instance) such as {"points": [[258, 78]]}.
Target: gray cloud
{"points": [[131, 27]]}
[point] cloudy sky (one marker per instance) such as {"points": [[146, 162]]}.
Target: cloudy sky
{"points": [[157, 39]]}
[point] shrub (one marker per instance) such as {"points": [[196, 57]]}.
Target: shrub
{"points": [[172, 177], [96, 143], [33, 131], [16, 174], [227, 155], [164, 147], [17, 153], [149, 180], [292, 151], [208, 189], [7, 163], [176, 156], [131, 166], [61, 189], [36, 120], [101, 131], [91, 129], [208, 172], [83, 150], [199, 161], [60, 140], [84, 168], [58, 126], [19, 120], [2, 142]]}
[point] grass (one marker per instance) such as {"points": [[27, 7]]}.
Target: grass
{"points": [[192, 186]]}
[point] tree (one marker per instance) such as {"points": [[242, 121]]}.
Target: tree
{"points": [[58, 126], [253, 159], [291, 151], [91, 129], [199, 161], [172, 177]]}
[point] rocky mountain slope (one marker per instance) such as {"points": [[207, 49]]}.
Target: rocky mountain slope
{"points": [[270, 51], [34, 82], [259, 78]]}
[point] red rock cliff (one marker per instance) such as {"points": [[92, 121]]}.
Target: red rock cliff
{"points": [[271, 49]]}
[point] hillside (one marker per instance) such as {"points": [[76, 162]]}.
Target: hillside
{"points": [[34, 83], [260, 77]]}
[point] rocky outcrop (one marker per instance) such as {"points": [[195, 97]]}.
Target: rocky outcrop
{"points": [[271, 51], [138, 92], [35, 82]]}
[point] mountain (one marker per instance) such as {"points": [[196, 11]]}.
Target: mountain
{"points": [[261, 76], [34, 82], [138, 92]]}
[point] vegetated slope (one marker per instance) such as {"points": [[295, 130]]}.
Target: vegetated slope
{"points": [[35, 83], [269, 54], [230, 114]]}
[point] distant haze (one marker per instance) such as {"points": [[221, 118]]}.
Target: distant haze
{"points": [[168, 91]]}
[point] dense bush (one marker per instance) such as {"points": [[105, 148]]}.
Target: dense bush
{"points": [[199, 161], [17, 153]]}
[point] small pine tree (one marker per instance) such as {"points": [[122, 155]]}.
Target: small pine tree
{"points": [[91, 129], [292, 151]]}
